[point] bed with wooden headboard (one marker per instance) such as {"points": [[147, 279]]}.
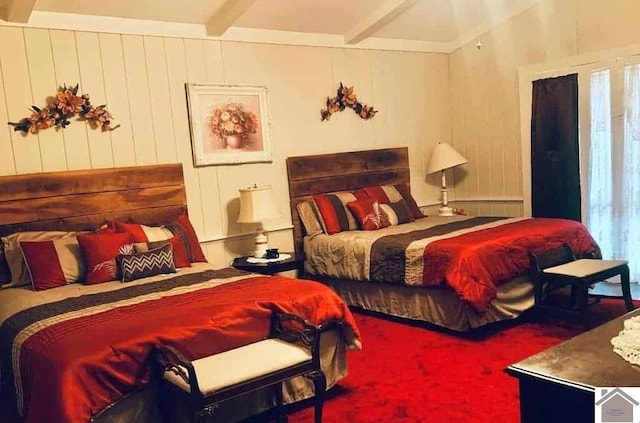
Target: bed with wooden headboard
{"points": [[93, 342], [345, 260]]}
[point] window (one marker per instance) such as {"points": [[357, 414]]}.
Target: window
{"points": [[613, 176]]}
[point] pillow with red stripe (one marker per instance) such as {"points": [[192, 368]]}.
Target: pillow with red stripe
{"points": [[100, 251], [181, 227], [398, 212], [369, 214], [386, 194], [179, 253], [153, 234], [53, 263], [334, 213], [142, 233]]}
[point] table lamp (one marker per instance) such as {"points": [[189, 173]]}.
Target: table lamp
{"points": [[444, 157], [257, 205]]}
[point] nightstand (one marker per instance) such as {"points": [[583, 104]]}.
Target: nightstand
{"points": [[295, 262]]}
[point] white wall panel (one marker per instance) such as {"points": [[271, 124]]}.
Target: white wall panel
{"points": [[142, 122], [117, 99], [92, 83], [7, 164], [65, 63], [17, 90], [163, 131], [43, 85]]}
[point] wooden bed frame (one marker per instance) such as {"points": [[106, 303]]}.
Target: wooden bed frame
{"points": [[320, 174], [147, 194]]}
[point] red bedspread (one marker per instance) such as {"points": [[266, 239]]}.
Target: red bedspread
{"points": [[88, 358], [473, 264]]}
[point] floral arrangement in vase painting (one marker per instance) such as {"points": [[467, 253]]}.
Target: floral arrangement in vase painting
{"points": [[232, 124]]}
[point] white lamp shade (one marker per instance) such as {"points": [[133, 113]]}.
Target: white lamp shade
{"points": [[257, 204], [444, 157]]}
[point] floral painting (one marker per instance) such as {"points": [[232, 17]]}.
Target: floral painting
{"points": [[229, 124]]}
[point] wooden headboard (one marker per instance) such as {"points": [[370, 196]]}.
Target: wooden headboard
{"points": [[324, 173], [84, 199]]}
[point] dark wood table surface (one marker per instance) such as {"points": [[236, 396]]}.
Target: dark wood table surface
{"points": [[558, 384]]}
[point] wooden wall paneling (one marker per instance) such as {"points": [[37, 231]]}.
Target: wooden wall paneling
{"points": [[467, 82], [17, 89], [192, 52], [117, 99], [142, 120], [214, 206], [156, 63], [92, 83], [65, 63], [177, 76], [43, 85], [7, 164]]}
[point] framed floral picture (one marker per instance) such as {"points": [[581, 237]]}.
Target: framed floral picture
{"points": [[229, 124]]}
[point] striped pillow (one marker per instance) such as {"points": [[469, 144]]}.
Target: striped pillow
{"points": [[334, 213], [397, 212], [53, 263], [386, 194]]}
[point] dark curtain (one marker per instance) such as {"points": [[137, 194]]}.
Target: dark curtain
{"points": [[555, 158]]}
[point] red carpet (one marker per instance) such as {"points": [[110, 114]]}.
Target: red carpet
{"points": [[415, 374]]}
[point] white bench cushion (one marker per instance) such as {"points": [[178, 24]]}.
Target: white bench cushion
{"points": [[584, 267], [241, 364]]}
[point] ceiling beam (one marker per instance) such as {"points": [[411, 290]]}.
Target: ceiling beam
{"points": [[225, 16], [17, 10], [376, 20]]}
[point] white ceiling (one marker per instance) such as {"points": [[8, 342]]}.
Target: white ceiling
{"points": [[439, 24]]}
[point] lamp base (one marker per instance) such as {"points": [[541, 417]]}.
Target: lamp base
{"points": [[445, 211], [261, 246]]}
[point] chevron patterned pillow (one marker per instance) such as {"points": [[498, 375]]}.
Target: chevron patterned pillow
{"points": [[153, 262]]}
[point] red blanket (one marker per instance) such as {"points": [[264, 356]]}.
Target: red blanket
{"points": [[88, 358], [473, 264]]}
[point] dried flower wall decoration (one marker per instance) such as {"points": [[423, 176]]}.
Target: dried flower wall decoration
{"points": [[59, 109], [346, 98]]}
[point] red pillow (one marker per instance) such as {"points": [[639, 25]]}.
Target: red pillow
{"points": [[100, 252], [369, 214], [387, 194], [53, 263], [181, 227]]}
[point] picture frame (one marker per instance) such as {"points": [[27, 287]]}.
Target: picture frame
{"points": [[229, 124]]}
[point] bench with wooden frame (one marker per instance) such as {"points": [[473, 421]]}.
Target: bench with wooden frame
{"points": [[559, 267], [292, 349]]}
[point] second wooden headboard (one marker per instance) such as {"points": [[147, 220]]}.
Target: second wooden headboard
{"points": [[324, 173]]}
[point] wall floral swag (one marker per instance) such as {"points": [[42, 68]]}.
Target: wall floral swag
{"points": [[59, 109], [346, 98]]}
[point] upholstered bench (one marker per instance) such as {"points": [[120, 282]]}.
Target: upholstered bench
{"points": [[559, 267], [291, 350]]}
